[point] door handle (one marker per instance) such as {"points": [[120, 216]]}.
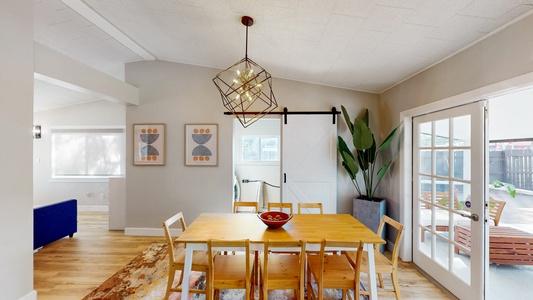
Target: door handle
{"points": [[473, 217]]}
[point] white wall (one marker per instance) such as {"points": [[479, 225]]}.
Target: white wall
{"points": [[177, 94], [96, 113], [16, 115]]}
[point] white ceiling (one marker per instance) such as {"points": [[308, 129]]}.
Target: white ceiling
{"points": [[355, 44]]}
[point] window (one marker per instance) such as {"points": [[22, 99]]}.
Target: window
{"points": [[87, 152], [260, 148]]}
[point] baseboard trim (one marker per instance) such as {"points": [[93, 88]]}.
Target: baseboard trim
{"points": [[133, 231], [30, 296], [93, 208]]}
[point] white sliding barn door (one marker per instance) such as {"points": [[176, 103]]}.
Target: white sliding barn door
{"points": [[309, 160]]}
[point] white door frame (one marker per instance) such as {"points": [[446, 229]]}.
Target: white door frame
{"points": [[406, 150]]}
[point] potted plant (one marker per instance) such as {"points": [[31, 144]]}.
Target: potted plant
{"points": [[364, 158]]}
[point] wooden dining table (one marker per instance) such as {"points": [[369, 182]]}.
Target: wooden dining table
{"points": [[312, 228]]}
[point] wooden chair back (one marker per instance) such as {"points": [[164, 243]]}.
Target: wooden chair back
{"points": [[308, 206], [170, 240], [244, 204], [334, 271], [280, 206], [441, 198], [230, 271], [382, 263], [284, 267], [495, 210], [386, 220], [199, 263]]}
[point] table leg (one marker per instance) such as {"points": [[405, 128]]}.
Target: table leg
{"points": [[186, 272], [372, 285]]}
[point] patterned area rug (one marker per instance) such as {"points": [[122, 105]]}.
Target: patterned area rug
{"points": [[145, 277]]}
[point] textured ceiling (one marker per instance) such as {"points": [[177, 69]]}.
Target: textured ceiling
{"points": [[355, 44]]}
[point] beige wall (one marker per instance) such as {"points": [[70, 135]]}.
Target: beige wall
{"points": [[474, 73], [176, 94], [16, 113]]}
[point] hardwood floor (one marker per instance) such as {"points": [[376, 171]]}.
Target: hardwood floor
{"points": [[71, 268]]}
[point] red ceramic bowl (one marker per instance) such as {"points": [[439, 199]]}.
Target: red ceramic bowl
{"points": [[274, 219]]}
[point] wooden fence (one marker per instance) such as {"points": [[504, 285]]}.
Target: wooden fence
{"points": [[512, 166]]}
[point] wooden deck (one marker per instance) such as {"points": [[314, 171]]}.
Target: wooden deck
{"points": [[507, 245]]}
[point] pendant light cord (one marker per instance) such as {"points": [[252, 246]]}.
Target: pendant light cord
{"points": [[246, 49]]}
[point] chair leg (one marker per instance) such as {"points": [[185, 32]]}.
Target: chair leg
{"points": [[357, 291], [208, 290], [181, 277], [320, 291], [263, 287], [171, 274], [380, 278], [310, 292], [395, 284]]}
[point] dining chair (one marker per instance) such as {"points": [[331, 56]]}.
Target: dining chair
{"points": [[310, 205], [334, 271], [244, 204], [176, 260], [383, 264], [281, 270], [280, 206], [230, 271]]}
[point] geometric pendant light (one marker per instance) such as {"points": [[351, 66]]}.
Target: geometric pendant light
{"points": [[246, 88]]}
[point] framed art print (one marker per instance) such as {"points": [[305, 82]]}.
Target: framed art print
{"points": [[149, 144], [201, 144]]}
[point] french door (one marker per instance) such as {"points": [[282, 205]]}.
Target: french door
{"points": [[449, 188]]}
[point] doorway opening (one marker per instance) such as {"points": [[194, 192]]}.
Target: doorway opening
{"points": [[257, 161], [510, 269], [508, 130]]}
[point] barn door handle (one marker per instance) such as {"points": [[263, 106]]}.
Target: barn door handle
{"points": [[284, 177]]}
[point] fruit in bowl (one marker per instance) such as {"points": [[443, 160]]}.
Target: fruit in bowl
{"points": [[274, 219]]}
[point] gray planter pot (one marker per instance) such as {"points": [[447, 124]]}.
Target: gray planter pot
{"points": [[370, 214]]}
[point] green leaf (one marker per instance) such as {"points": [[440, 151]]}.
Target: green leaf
{"points": [[361, 159], [383, 170], [511, 190], [497, 183], [350, 165], [343, 147], [362, 136], [386, 143], [370, 155], [347, 119]]}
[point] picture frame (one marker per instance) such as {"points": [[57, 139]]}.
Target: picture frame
{"points": [[201, 144], [149, 144]]}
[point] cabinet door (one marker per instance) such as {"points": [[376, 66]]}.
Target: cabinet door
{"points": [[309, 160]]}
